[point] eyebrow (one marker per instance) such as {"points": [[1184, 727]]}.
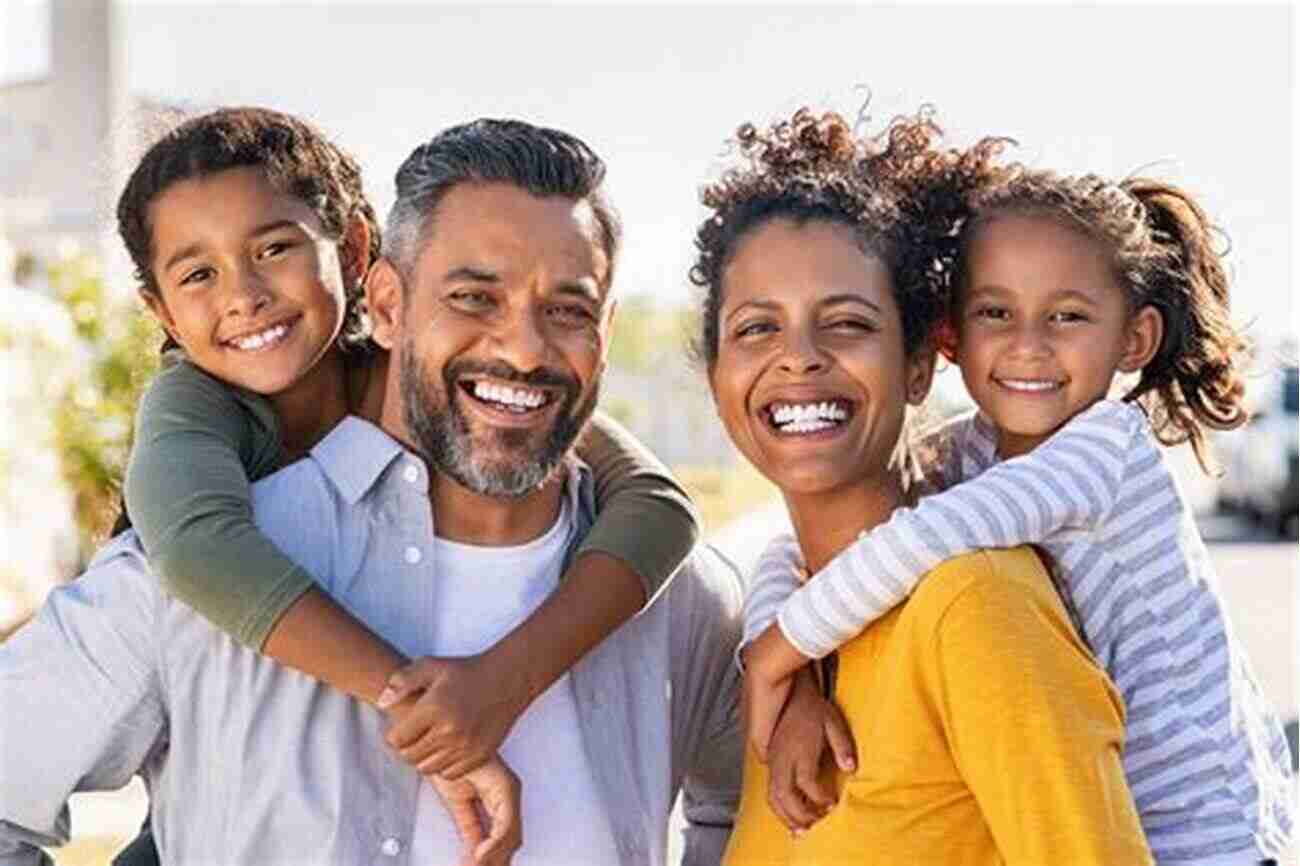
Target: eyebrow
{"points": [[470, 274], [581, 290], [999, 292], [195, 248], [833, 300]]}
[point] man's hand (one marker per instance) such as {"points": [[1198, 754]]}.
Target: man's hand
{"points": [[462, 712], [485, 806], [810, 733]]}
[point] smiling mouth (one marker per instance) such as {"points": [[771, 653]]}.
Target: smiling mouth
{"points": [[515, 399], [1030, 386], [261, 341], [804, 418]]}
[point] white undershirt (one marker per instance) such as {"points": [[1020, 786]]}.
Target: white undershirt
{"points": [[481, 594]]}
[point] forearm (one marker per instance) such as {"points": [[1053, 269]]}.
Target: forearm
{"points": [[351, 658], [598, 594]]}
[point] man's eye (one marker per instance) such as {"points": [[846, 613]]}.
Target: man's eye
{"points": [[572, 314], [471, 299]]}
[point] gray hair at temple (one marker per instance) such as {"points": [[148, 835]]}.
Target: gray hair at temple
{"points": [[544, 162]]}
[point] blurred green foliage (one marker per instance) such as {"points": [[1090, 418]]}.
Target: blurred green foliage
{"points": [[94, 409]]}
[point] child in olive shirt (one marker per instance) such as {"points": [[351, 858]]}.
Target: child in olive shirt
{"points": [[251, 237]]}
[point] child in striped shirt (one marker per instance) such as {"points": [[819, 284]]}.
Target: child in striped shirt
{"points": [[1059, 285]]}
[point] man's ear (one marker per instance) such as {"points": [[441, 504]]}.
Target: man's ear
{"points": [[157, 306], [1146, 331], [354, 251], [384, 297], [920, 375]]}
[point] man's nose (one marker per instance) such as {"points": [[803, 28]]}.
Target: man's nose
{"points": [[800, 353], [521, 342]]}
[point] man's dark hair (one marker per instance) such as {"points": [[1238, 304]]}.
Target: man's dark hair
{"points": [[544, 162]]}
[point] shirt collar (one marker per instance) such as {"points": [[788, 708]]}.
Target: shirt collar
{"points": [[354, 455]]}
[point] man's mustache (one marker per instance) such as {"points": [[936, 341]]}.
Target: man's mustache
{"points": [[540, 377]]}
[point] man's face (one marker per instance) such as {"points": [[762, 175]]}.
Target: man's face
{"points": [[503, 334]]}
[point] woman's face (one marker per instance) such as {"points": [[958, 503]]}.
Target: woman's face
{"points": [[811, 379]]}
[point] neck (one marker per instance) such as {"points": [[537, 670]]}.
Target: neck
{"points": [[473, 518], [312, 406], [827, 522]]}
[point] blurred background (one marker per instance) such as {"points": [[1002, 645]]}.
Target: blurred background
{"points": [[1199, 95]]}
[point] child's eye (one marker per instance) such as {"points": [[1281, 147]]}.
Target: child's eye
{"points": [[195, 276], [995, 314], [1068, 317], [275, 248]]}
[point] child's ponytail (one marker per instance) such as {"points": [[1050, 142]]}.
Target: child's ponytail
{"points": [[1194, 381]]}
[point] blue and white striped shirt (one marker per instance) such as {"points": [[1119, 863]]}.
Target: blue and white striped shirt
{"points": [[1205, 756]]}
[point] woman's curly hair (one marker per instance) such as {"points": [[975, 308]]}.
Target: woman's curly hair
{"points": [[1164, 254], [814, 167], [296, 157]]}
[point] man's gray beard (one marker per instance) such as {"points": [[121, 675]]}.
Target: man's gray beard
{"points": [[441, 434]]}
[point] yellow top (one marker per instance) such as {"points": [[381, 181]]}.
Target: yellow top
{"points": [[986, 734]]}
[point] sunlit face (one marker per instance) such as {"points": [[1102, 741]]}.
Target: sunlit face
{"points": [[250, 285], [1042, 326], [811, 379], [503, 335]]}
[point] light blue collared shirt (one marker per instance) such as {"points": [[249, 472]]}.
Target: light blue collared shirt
{"points": [[251, 762]]}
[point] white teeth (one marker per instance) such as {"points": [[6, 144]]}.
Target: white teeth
{"points": [[786, 413], [263, 338], [1029, 384], [519, 399]]}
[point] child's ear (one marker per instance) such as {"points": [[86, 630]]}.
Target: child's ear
{"points": [[157, 306], [945, 340], [354, 252], [920, 375], [384, 294], [1146, 330]]}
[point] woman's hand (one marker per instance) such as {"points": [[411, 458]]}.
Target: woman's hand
{"points": [[450, 715], [771, 663], [493, 792], [810, 733]]}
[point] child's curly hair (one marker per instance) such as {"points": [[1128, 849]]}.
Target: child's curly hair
{"points": [[297, 159], [814, 167], [1164, 255]]}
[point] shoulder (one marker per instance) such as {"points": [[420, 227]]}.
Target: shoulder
{"points": [[182, 394], [708, 574], [992, 577]]}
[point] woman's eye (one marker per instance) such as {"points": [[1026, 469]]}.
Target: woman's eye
{"points": [[851, 325], [753, 329]]}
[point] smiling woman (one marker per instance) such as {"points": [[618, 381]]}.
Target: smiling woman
{"points": [[820, 302]]}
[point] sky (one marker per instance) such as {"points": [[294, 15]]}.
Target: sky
{"points": [[1201, 95]]}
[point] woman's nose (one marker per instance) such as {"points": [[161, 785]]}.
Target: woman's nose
{"points": [[801, 354]]}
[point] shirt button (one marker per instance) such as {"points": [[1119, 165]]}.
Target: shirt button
{"points": [[391, 846], [413, 555], [411, 474]]}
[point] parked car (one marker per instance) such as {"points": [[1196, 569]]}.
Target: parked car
{"points": [[1261, 461]]}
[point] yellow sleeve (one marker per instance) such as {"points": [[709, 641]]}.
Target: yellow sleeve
{"points": [[1035, 726]]}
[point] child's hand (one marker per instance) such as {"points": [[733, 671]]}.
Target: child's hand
{"points": [[491, 792], [811, 732], [459, 717], [763, 703]]}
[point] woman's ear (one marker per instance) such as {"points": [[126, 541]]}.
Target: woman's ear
{"points": [[354, 253], [157, 306], [384, 297], [1146, 331]]}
